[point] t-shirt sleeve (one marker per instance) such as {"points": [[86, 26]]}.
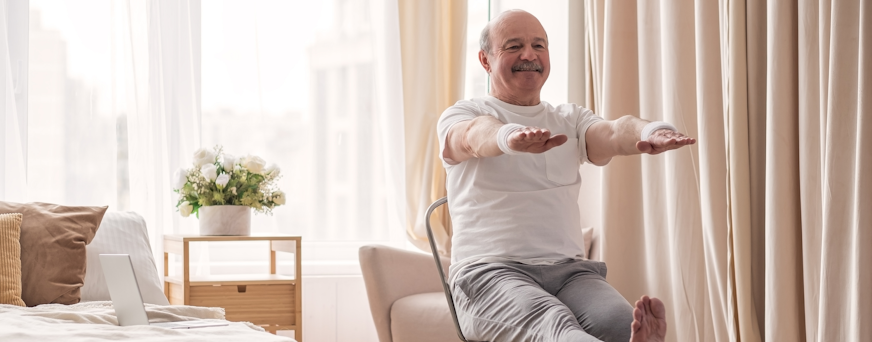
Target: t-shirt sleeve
{"points": [[461, 111], [586, 117]]}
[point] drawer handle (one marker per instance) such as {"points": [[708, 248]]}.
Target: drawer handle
{"points": [[240, 288]]}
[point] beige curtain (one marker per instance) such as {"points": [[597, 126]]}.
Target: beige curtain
{"points": [[432, 43], [761, 230], [664, 217]]}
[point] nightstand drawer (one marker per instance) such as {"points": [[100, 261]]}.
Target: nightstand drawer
{"points": [[258, 304]]}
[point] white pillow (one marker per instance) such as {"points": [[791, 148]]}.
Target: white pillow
{"points": [[122, 233]]}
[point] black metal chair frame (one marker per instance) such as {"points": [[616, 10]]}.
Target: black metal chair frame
{"points": [[445, 287]]}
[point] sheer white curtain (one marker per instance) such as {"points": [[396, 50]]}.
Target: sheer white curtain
{"points": [[14, 132], [160, 65], [116, 106], [313, 87]]}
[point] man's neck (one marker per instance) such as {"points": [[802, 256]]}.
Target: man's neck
{"points": [[531, 100]]}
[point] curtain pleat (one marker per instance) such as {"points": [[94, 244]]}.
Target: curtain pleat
{"points": [[594, 12], [742, 312], [432, 44], [783, 260], [844, 281], [812, 118], [756, 57], [710, 88]]}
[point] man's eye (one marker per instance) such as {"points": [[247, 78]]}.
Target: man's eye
{"points": [[513, 47]]}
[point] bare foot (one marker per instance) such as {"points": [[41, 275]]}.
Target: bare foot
{"points": [[649, 321]]}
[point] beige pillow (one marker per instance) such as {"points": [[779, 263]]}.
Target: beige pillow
{"points": [[10, 259], [53, 239]]}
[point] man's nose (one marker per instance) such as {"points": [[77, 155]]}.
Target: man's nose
{"points": [[528, 54]]}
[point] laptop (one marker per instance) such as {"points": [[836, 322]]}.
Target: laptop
{"points": [[127, 300]]}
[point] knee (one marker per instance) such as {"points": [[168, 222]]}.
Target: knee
{"points": [[613, 323]]}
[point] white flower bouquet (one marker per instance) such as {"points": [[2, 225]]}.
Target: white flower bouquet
{"points": [[217, 178]]}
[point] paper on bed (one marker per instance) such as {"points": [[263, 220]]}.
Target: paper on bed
{"points": [[94, 321]]}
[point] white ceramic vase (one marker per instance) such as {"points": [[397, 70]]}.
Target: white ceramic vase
{"points": [[232, 220]]}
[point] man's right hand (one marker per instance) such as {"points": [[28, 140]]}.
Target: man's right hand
{"points": [[534, 140]]}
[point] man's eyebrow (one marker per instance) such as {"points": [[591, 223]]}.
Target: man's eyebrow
{"points": [[513, 40], [519, 40]]}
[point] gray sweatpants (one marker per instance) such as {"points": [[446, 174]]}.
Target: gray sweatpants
{"points": [[565, 302]]}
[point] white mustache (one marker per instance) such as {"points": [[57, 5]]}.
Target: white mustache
{"points": [[528, 66]]}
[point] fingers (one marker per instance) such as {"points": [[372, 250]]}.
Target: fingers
{"points": [[556, 140], [664, 140], [534, 134], [535, 140]]}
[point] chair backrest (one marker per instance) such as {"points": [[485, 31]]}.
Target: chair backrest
{"points": [[445, 287]]}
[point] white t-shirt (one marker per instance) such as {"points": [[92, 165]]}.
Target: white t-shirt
{"points": [[517, 208]]}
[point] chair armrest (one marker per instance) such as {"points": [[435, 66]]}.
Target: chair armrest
{"points": [[390, 274]]}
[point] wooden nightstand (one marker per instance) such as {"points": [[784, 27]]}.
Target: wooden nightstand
{"points": [[271, 301]]}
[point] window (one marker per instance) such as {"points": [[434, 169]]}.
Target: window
{"points": [[291, 81], [73, 152]]}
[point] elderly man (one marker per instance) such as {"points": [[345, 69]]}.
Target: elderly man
{"points": [[518, 271]]}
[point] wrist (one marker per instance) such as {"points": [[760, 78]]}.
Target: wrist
{"points": [[652, 127], [503, 138]]}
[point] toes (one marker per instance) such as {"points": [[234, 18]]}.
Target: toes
{"points": [[657, 308]]}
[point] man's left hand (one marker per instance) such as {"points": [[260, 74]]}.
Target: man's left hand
{"points": [[663, 140]]}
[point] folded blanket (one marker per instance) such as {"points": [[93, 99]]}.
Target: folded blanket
{"points": [[96, 321]]}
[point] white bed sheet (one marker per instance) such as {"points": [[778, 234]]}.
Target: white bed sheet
{"points": [[96, 321]]}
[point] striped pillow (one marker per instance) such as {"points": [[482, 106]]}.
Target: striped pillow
{"points": [[10, 259]]}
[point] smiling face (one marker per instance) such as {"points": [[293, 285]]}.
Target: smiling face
{"points": [[518, 60]]}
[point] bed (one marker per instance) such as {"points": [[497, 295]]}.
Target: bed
{"points": [[95, 321], [50, 253]]}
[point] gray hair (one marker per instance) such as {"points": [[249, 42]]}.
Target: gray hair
{"points": [[484, 39]]}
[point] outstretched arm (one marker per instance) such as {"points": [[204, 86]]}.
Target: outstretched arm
{"points": [[622, 137], [477, 138]]}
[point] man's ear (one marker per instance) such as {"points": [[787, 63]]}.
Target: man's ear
{"points": [[482, 57]]}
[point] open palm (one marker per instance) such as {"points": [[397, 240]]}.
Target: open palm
{"points": [[663, 140], [535, 140]]}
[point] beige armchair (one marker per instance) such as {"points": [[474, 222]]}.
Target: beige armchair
{"points": [[405, 295]]}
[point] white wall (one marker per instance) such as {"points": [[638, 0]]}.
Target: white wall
{"points": [[335, 309]]}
